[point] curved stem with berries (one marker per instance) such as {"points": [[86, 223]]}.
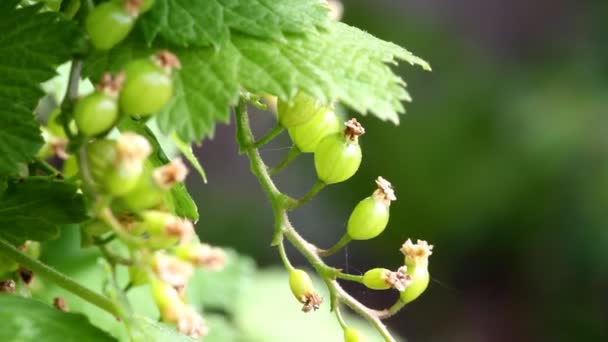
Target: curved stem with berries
{"points": [[281, 204]]}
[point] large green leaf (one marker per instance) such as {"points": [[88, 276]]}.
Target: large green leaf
{"points": [[28, 320], [202, 23], [20, 137], [32, 44], [34, 208], [341, 64]]}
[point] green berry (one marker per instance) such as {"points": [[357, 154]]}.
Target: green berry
{"points": [[307, 136], [420, 281], [298, 110], [300, 284], [147, 88], [368, 219], [101, 154], [138, 276], [337, 159], [95, 113], [96, 227], [146, 194], [70, 167], [375, 279], [353, 335], [108, 24]]}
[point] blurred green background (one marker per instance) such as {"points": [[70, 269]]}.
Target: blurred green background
{"points": [[501, 162]]}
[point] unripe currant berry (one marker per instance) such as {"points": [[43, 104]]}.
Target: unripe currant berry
{"points": [[168, 300], [298, 110], [95, 228], [302, 288], [384, 279], [353, 335], [171, 269], [97, 112], [370, 216], [109, 23], [70, 167], [338, 156], [307, 136], [416, 259], [164, 230], [148, 86], [200, 254]]}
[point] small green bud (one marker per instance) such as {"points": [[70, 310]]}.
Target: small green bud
{"points": [[384, 279], [164, 229], [338, 156], [353, 335], [370, 216], [201, 254], [303, 289], [307, 136], [298, 110], [168, 301]]}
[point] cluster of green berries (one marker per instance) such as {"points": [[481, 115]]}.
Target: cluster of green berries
{"points": [[314, 127]]}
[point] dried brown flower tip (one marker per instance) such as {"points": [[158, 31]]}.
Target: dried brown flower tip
{"points": [[399, 280], [312, 301], [174, 172], [418, 253], [8, 286], [132, 7], [131, 150], [180, 228], [58, 147], [336, 9], [26, 275], [191, 323], [353, 129], [111, 85], [60, 304], [167, 60], [211, 258], [385, 191], [172, 270]]}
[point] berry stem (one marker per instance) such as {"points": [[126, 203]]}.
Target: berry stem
{"points": [[340, 318], [268, 137], [293, 153], [284, 258], [392, 310], [283, 228], [43, 165], [350, 277], [318, 186], [335, 248], [57, 277]]}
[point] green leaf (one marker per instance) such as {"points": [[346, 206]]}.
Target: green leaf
{"points": [[186, 150], [26, 319], [20, 136], [155, 331], [179, 200], [204, 23], [221, 290], [341, 64], [32, 44], [34, 208]]}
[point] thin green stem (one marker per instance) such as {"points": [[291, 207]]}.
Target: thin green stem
{"points": [[335, 248], [106, 215], [274, 132], [340, 318], [71, 94], [350, 277], [392, 310], [293, 153], [284, 258], [318, 186], [46, 271], [43, 165]]}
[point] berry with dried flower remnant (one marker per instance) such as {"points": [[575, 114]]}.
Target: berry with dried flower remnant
{"points": [[148, 86], [353, 335], [370, 216], [171, 269], [416, 260], [298, 110], [201, 254], [168, 300], [97, 112], [110, 23], [338, 156], [164, 229], [384, 279], [150, 191], [191, 323], [307, 136], [302, 288]]}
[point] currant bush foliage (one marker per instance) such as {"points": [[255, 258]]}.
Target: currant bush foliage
{"points": [[227, 48]]}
